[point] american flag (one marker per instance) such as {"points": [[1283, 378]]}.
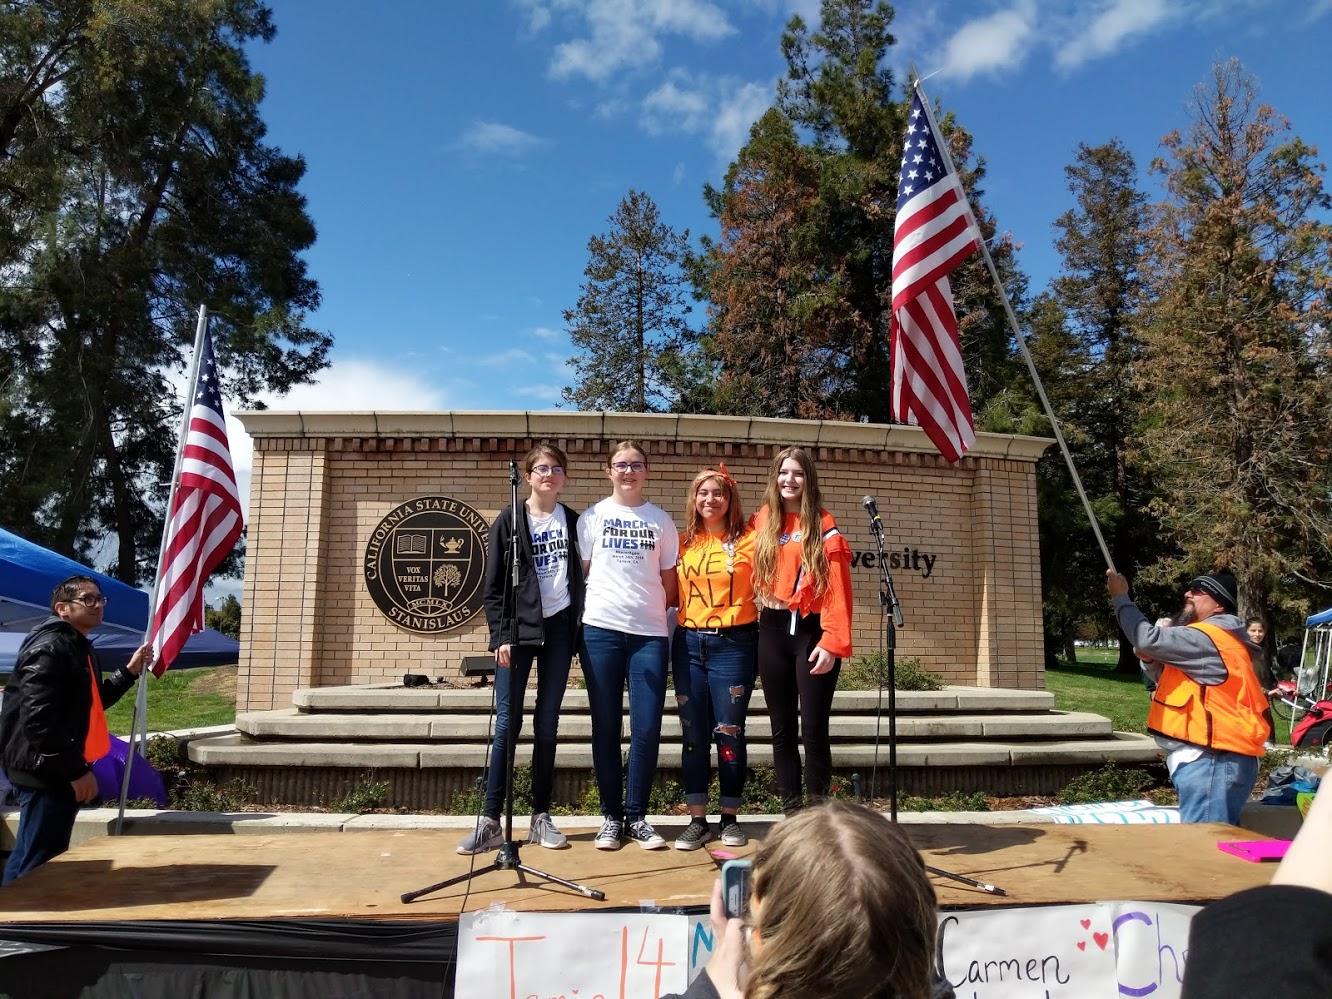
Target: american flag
{"points": [[932, 235], [205, 518]]}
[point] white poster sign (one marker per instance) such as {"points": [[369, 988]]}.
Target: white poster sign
{"points": [[594, 955], [1151, 944]]}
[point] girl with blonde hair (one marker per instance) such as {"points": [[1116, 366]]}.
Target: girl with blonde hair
{"points": [[713, 652], [840, 906], [802, 575]]}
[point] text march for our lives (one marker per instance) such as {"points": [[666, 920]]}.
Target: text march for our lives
{"points": [[1107, 950]]}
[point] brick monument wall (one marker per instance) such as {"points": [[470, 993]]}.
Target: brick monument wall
{"points": [[965, 536]]}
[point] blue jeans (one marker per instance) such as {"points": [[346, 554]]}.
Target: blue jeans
{"points": [[1214, 787], [46, 819], [609, 659], [552, 661], [714, 678]]}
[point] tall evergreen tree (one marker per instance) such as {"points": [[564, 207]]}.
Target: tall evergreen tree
{"points": [[630, 323], [815, 189], [135, 184], [1235, 373]]}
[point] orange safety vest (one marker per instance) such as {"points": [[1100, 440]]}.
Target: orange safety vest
{"points": [[1226, 716], [98, 741]]}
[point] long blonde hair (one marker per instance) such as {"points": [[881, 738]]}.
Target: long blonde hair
{"points": [[813, 561], [845, 909], [735, 514]]}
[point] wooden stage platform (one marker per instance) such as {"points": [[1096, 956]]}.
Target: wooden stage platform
{"points": [[360, 875]]}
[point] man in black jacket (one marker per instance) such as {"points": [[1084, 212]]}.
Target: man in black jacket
{"points": [[53, 726]]}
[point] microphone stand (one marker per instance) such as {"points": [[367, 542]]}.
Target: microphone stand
{"points": [[891, 609], [508, 857]]}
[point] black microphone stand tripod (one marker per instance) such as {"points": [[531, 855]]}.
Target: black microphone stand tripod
{"points": [[508, 857], [891, 610]]}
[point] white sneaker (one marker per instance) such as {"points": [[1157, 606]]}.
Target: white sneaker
{"points": [[609, 837], [485, 837], [544, 833]]}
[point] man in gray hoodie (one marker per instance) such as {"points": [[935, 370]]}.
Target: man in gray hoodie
{"points": [[1207, 711]]}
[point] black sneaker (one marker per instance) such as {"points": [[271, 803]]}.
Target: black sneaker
{"points": [[731, 833], [609, 836], [642, 833], [695, 835]]}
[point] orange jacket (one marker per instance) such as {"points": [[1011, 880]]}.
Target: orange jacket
{"points": [[796, 590], [1225, 716]]}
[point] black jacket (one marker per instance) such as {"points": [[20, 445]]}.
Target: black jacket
{"points": [[499, 606], [44, 721]]}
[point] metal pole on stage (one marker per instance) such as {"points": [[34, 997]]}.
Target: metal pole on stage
{"points": [[139, 720]]}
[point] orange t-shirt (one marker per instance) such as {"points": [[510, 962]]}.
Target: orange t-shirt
{"points": [[795, 590], [717, 582]]}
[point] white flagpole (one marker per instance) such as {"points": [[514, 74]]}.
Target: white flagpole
{"points": [[1013, 323], [139, 724]]}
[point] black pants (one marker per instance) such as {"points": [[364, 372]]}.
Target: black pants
{"points": [[798, 704]]}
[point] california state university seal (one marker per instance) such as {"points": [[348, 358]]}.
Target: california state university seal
{"points": [[425, 562]]}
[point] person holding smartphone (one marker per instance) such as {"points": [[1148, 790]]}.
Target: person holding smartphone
{"points": [[629, 548], [535, 622], [713, 654], [802, 574], [840, 905]]}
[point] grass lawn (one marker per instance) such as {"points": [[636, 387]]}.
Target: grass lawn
{"points": [[187, 698]]}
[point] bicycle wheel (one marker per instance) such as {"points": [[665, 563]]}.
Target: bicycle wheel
{"points": [[1285, 709]]}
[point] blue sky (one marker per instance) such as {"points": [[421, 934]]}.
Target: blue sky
{"points": [[460, 153]]}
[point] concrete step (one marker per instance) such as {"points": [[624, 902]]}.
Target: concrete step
{"points": [[382, 698], [402, 726], [240, 751]]}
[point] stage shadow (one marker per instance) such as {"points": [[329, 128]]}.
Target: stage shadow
{"points": [[966, 839], [89, 885], [181, 823]]}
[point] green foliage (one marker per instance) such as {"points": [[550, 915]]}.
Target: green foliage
{"points": [[164, 753], [135, 184], [367, 795], [953, 801], [197, 793], [871, 671], [629, 325], [225, 617], [1110, 783]]}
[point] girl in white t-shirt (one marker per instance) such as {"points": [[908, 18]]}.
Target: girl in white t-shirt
{"points": [[629, 548]]}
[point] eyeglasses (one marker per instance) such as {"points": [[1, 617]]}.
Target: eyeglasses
{"points": [[89, 600], [548, 469], [629, 466]]}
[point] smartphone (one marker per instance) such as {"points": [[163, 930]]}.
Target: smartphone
{"points": [[735, 875]]}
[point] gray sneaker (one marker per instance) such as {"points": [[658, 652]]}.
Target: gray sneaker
{"points": [[609, 837], [545, 834], [731, 833], [485, 837], [642, 833], [695, 835]]}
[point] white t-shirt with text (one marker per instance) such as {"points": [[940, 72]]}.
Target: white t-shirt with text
{"points": [[628, 548], [550, 556]]}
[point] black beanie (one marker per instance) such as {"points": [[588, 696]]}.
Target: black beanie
{"points": [[1220, 586]]}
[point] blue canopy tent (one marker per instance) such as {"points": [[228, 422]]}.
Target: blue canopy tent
{"points": [[28, 574]]}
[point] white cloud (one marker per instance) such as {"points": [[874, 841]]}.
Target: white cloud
{"points": [[493, 138], [542, 393], [720, 109], [545, 333], [1115, 23], [514, 355], [348, 384], [988, 44], [678, 174], [629, 33]]}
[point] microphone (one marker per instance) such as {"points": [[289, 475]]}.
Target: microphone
{"points": [[872, 508]]}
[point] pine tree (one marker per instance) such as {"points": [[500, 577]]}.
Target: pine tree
{"points": [[630, 322], [1236, 369]]}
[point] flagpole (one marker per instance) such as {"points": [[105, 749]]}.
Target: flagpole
{"points": [[1013, 323], [140, 717]]}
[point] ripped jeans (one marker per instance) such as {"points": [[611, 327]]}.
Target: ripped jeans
{"points": [[714, 678]]}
